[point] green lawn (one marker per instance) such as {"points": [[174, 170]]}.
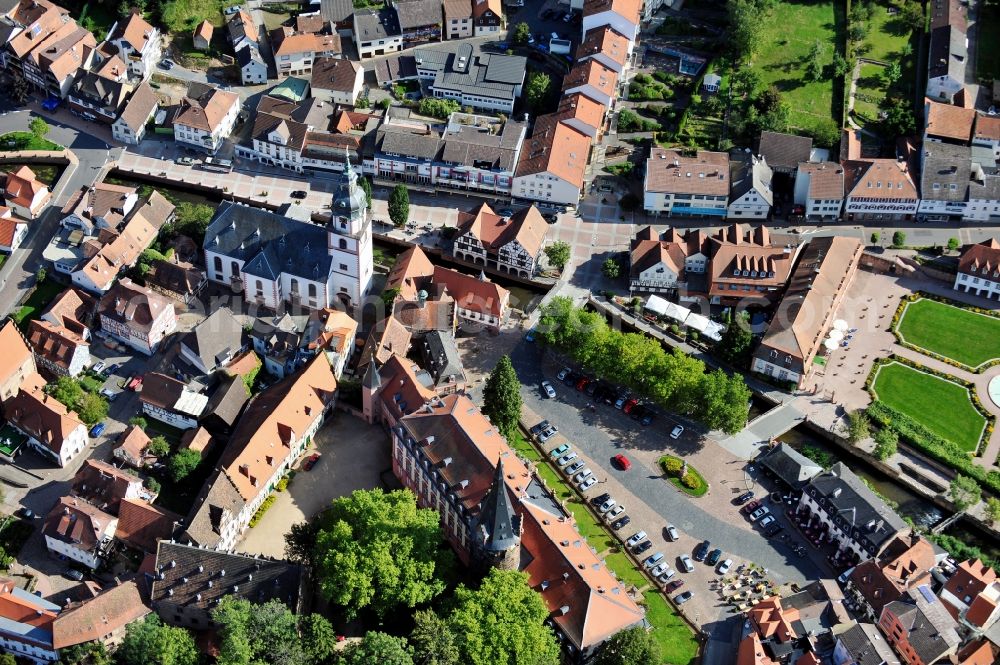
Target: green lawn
{"points": [[953, 332], [870, 92], [789, 35], [888, 35], [96, 17], [37, 302], [26, 141], [942, 406], [677, 644], [987, 56], [625, 570]]}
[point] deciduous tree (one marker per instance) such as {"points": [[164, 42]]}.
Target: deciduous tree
{"points": [[736, 342], [38, 127], [149, 642], [399, 205], [886, 443], [158, 447], [558, 254], [92, 408], [858, 426], [611, 268], [964, 492], [182, 463], [993, 509], [432, 641], [378, 550], [521, 33], [376, 648], [502, 398], [632, 646], [537, 90], [898, 239]]}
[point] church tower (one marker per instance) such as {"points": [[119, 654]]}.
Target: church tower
{"points": [[370, 385], [349, 239], [496, 533]]}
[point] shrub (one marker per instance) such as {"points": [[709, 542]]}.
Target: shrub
{"points": [[282, 484], [268, 502], [691, 481], [672, 465]]}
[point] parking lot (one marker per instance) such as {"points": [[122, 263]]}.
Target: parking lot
{"points": [[651, 503]]}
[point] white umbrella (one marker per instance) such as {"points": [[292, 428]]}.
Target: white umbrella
{"points": [[840, 324], [836, 335], [830, 345]]}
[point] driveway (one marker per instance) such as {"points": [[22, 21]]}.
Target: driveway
{"points": [[354, 454]]}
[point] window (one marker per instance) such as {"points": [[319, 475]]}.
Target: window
{"points": [[235, 268], [312, 290], [260, 289], [295, 285], [343, 244], [218, 265]]}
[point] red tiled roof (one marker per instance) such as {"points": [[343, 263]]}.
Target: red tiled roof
{"points": [[93, 619], [471, 293], [141, 524], [985, 254]]}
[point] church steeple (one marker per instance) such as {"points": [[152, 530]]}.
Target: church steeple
{"points": [[498, 526]]}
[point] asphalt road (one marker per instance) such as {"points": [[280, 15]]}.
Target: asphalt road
{"points": [[566, 412], [18, 274]]}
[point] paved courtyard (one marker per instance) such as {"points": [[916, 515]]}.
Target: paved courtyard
{"points": [[353, 455]]}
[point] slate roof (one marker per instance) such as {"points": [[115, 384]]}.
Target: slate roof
{"points": [[441, 358], [182, 279], [417, 13], [268, 243], [866, 518], [226, 403], [946, 172], [217, 498], [336, 11], [948, 53], [372, 25], [866, 646], [749, 173], [106, 94], [788, 464], [194, 577], [459, 67], [497, 526], [215, 339], [784, 151], [927, 626], [77, 523]]}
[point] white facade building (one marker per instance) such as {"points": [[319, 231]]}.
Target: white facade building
{"points": [[138, 45], [750, 195], [206, 121], [819, 188]]}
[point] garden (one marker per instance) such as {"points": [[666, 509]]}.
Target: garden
{"points": [[967, 337], [943, 407], [43, 294], [683, 476]]}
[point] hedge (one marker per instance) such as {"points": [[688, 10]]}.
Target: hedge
{"points": [[263, 509], [934, 446]]}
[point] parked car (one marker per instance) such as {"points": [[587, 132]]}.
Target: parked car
{"points": [[682, 598], [673, 586], [581, 385], [773, 530], [667, 573], [676, 432], [539, 427], [750, 507], [620, 400], [672, 534], [725, 566], [110, 394], [713, 557], [567, 17], [614, 512], [653, 559], [757, 514], [635, 538], [99, 366], [601, 498], [559, 451], [620, 522], [642, 547], [701, 551], [299, 194], [566, 459], [506, 212], [588, 483], [582, 476], [97, 430], [549, 390], [629, 405], [310, 462], [574, 467], [530, 335], [563, 372], [622, 462], [25, 513], [743, 498], [571, 379], [74, 575], [607, 505], [658, 569], [766, 521], [547, 433], [686, 564]]}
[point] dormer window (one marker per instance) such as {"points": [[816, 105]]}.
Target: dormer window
{"points": [[753, 273], [736, 273], [746, 273]]}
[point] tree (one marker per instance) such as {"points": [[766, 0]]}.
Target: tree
{"points": [[746, 27], [67, 391], [182, 463], [724, 401], [300, 542], [7, 659], [152, 484], [899, 120], [92, 408], [558, 254], [389, 296], [379, 648], [912, 15], [40, 274], [438, 108], [537, 90], [993, 509], [377, 550], [632, 646], [432, 641], [898, 239], [886, 443], [891, 74], [38, 127], [503, 621], [953, 244], [138, 421], [366, 186], [502, 398], [858, 426], [190, 219], [87, 653], [746, 81], [158, 447], [737, 341], [825, 133], [875, 237], [149, 642], [841, 67], [252, 633], [522, 31], [611, 268], [814, 68], [964, 492], [318, 639], [399, 206]]}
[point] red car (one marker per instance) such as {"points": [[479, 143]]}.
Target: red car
{"points": [[674, 586], [629, 405], [581, 385], [750, 507], [311, 462], [623, 462]]}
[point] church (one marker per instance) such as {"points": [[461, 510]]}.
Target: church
{"points": [[277, 259]]}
